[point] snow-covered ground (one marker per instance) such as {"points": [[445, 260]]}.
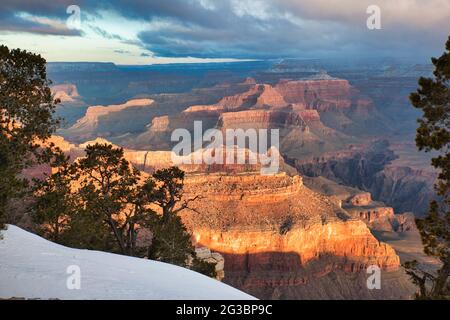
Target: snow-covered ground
{"points": [[32, 267]]}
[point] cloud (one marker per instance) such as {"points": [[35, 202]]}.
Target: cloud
{"points": [[38, 25], [122, 51], [105, 34], [412, 13], [40, 17], [257, 28], [280, 28]]}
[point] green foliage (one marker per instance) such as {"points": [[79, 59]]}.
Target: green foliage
{"points": [[110, 191], [433, 133], [60, 213], [101, 202], [85, 231], [171, 242], [169, 190], [26, 119], [54, 204]]}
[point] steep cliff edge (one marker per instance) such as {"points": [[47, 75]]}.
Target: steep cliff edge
{"points": [[86, 127], [279, 238]]}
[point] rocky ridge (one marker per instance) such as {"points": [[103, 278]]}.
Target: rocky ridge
{"points": [[277, 235]]}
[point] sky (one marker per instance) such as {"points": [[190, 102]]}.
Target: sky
{"points": [[167, 31]]}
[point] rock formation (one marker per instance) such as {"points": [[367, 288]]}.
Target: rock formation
{"points": [[260, 119], [276, 234], [203, 253], [359, 205], [277, 237], [320, 95], [294, 107], [149, 161], [91, 119], [360, 199], [66, 92], [271, 98], [374, 168]]}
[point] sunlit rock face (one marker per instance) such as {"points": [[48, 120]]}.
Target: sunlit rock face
{"points": [[276, 234], [92, 121], [66, 92]]}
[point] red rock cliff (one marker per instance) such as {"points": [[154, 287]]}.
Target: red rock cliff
{"points": [[275, 232]]}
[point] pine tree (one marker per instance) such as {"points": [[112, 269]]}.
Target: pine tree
{"points": [[60, 214], [54, 202], [108, 182], [26, 110], [433, 133], [101, 202], [171, 241]]}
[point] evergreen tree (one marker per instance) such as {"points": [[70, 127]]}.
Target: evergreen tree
{"points": [[54, 202], [433, 133], [169, 190], [101, 202], [85, 231], [26, 109], [171, 241], [107, 182], [60, 213]]}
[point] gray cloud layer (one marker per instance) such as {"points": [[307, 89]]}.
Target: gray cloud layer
{"points": [[10, 20], [264, 28]]}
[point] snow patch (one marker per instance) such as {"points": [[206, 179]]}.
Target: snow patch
{"points": [[32, 267]]}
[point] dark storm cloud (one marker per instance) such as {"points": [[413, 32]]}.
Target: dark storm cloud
{"points": [[278, 28], [260, 28], [53, 8], [13, 23], [249, 39], [11, 19], [189, 11]]}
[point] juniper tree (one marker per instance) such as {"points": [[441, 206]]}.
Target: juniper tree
{"points": [[60, 213], [102, 197], [54, 203], [171, 240], [107, 183], [433, 133], [26, 119]]}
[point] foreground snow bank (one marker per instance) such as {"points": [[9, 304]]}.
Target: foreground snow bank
{"points": [[32, 267]]}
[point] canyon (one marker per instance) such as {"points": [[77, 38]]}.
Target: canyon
{"points": [[316, 118], [377, 169], [279, 238], [341, 202]]}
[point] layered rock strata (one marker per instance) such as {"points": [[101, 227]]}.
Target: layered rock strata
{"points": [[276, 233]]}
